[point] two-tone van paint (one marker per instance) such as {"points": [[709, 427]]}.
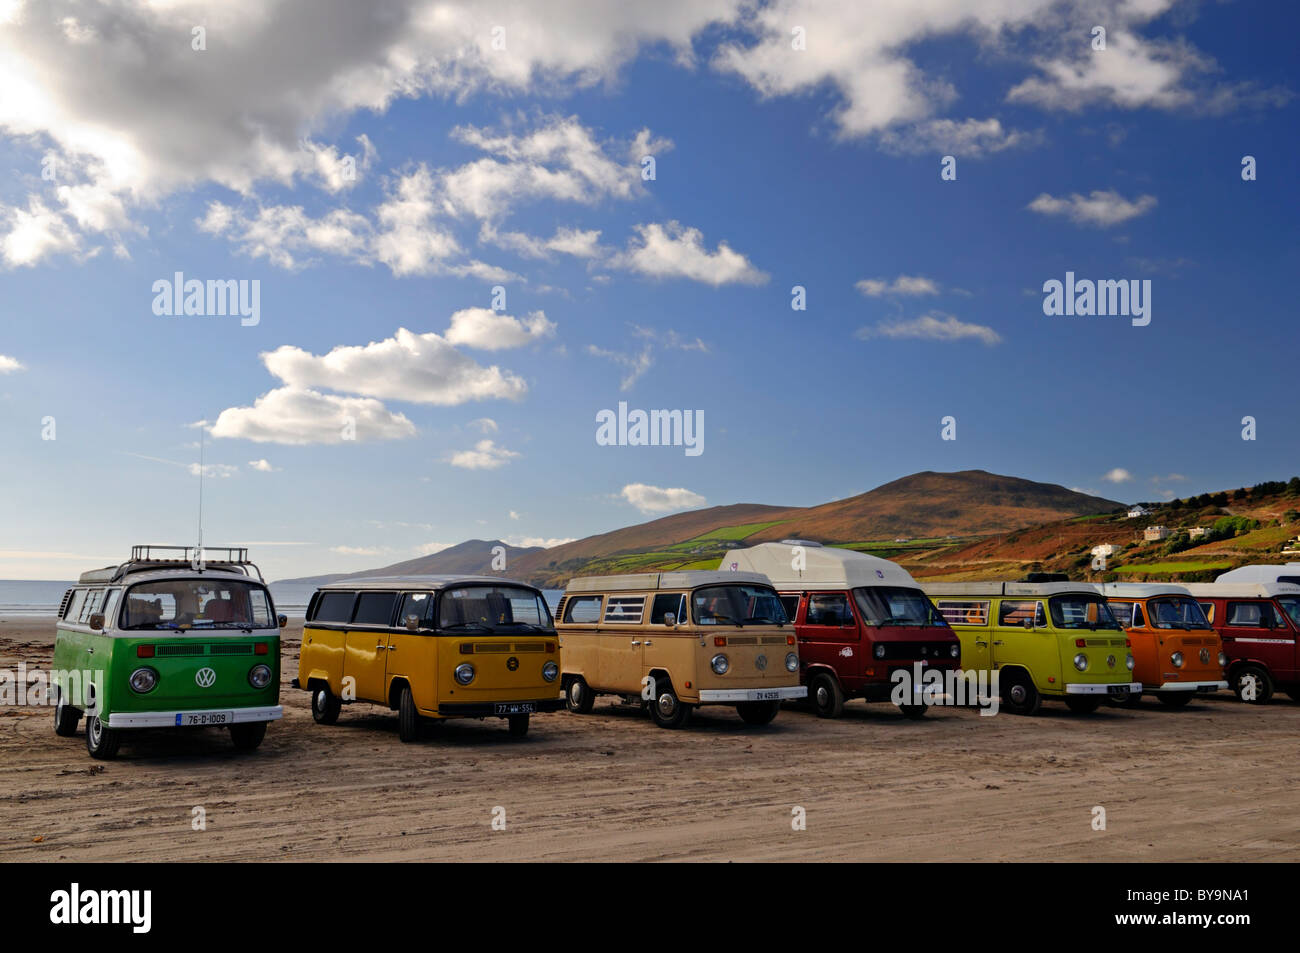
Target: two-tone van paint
{"points": [[173, 637], [431, 648], [1259, 623], [1052, 640]]}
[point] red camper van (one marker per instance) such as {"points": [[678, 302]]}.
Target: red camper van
{"points": [[858, 618], [1259, 623]]}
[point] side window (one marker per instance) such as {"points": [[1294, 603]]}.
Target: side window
{"points": [[582, 609], [74, 607], [94, 600], [261, 608], [418, 604], [375, 608], [624, 609], [1208, 609], [1244, 614], [110, 607], [1124, 614], [1017, 613], [1139, 618], [964, 612], [791, 606], [334, 607], [666, 602], [830, 608]]}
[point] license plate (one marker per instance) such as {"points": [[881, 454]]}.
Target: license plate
{"points": [[1119, 691], [205, 718], [515, 708], [762, 696]]}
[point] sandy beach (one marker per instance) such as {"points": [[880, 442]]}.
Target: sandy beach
{"points": [[1214, 781]]}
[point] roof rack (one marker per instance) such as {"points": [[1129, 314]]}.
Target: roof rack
{"points": [[151, 556]]}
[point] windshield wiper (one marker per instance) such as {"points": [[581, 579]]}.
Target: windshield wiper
{"points": [[464, 625], [761, 619], [727, 618]]}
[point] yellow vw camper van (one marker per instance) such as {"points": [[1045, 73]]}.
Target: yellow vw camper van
{"points": [[677, 640]]}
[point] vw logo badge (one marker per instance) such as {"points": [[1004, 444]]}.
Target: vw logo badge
{"points": [[512, 663], [760, 663], [205, 677]]}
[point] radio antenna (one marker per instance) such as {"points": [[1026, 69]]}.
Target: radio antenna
{"points": [[197, 562]]}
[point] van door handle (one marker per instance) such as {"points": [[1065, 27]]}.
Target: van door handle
{"points": [[649, 642], [997, 642], [982, 642], [636, 642]]}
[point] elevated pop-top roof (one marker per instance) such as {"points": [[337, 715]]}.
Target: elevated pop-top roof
{"points": [[1243, 590], [824, 567], [683, 579], [1141, 590], [1288, 573], [940, 589], [431, 582], [151, 557]]}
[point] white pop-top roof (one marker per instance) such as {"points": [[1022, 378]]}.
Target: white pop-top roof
{"points": [[939, 589], [823, 567], [1141, 590], [683, 579], [1289, 572], [1243, 590]]}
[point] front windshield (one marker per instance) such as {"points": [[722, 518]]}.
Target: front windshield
{"points": [[737, 605], [891, 605], [1292, 606], [1177, 612], [211, 603], [492, 607], [1079, 611]]}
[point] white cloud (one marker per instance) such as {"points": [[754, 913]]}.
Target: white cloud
{"points": [[636, 364], [484, 425], [262, 466], [31, 234], [489, 330], [514, 515], [213, 470], [428, 549], [546, 542], [1102, 208], [674, 251], [486, 455], [931, 327], [580, 243], [357, 550], [654, 499], [10, 364], [902, 285], [297, 415], [969, 138], [420, 368], [1118, 475]]}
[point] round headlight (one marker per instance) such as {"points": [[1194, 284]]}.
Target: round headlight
{"points": [[1205, 656], [1081, 661], [719, 664], [259, 676], [1223, 660], [1128, 663], [549, 671], [464, 673], [1177, 659], [955, 650], [880, 650], [143, 680], [791, 662]]}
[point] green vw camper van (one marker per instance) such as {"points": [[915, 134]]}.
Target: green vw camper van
{"points": [[174, 637]]}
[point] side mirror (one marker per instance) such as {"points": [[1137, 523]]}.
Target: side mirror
{"points": [[670, 619], [96, 621], [412, 622], [282, 620]]}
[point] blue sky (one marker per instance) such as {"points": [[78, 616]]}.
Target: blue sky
{"points": [[478, 167]]}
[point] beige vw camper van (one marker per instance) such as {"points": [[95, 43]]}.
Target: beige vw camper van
{"points": [[677, 640]]}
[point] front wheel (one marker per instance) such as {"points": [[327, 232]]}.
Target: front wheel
{"points": [[325, 705], [1131, 700], [1251, 684], [579, 698], [1019, 696], [826, 696], [1174, 701], [518, 725], [247, 735], [668, 710], [1083, 704], [66, 717], [101, 741], [758, 713], [913, 712], [408, 719]]}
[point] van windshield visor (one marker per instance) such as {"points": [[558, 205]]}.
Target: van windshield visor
{"points": [[1177, 612], [493, 607], [894, 605], [737, 605], [197, 604], [1080, 611]]}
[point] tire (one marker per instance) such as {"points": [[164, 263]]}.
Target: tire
{"points": [[247, 735], [578, 697], [408, 719], [667, 710], [325, 705], [914, 712], [1083, 704], [518, 725], [1131, 700], [758, 713], [1019, 696], [1174, 699], [66, 718], [101, 741], [825, 695], [1263, 684]]}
